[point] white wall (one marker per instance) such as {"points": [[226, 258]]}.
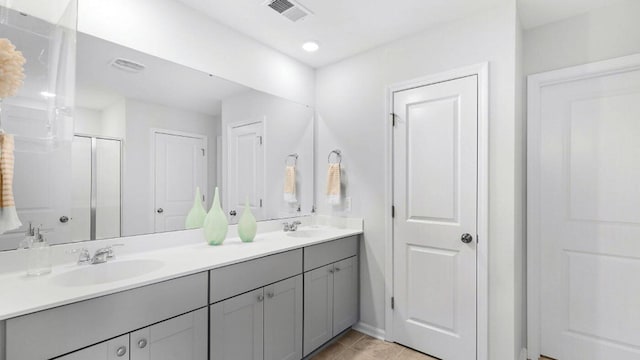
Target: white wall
{"points": [[350, 99], [137, 185], [598, 35], [288, 129], [172, 31]]}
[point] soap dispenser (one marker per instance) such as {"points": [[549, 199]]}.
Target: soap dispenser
{"points": [[39, 257], [28, 238]]}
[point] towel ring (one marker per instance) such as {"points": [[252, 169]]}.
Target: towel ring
{"points": [[295, 159], [338, 156]]}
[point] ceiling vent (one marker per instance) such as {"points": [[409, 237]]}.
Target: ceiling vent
{"points": [[127, 65], [289, 9]]}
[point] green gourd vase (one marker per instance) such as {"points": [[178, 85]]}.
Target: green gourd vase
{"points": [[195, 218], [215, 223], [247, 226]]}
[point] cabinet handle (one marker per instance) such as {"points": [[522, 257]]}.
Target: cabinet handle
{"points": [[122, 350], [260, 298], [142, 343], [270, 295]]}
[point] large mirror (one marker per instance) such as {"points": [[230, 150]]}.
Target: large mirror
{"points": [[146, 134]]}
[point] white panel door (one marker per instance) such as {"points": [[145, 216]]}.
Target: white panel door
{"points": [[180, 166], [180, 338], [245, 170], [435, 186], [318, 307], [345, 294], [590, 216], [42, 176], [237, 330], [114, 349], [283, 320]]}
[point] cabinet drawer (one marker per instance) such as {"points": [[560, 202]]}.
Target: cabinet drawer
{"points": [[322, 254], [239, 278], [50, 333]]}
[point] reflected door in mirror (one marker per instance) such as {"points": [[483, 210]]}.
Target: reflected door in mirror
{"points": [[180, 164]]}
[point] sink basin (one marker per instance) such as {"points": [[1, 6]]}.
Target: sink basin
{"points": [[107, 272], [306, 233]]}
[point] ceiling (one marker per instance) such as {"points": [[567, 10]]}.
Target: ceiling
{"points": [[342, 27], [161, 82], [535, 13]]}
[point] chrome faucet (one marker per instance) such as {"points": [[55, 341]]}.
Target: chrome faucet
{"points": [[101, 255], [291, 227]]}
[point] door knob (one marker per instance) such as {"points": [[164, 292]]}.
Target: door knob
{"points": [[160, 210], [122, 350], [466, 238], [142, 343], [260, 298], [233, 213], [64, 219]]}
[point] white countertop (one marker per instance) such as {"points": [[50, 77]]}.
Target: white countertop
{"points": [[20, 295]]}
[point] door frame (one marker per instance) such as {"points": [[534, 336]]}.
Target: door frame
{"points": [[535, 83], [152, 163], [482, 254]]}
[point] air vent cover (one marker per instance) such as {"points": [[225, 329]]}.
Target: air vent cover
{"points": [[127, 65], [289, 9]]}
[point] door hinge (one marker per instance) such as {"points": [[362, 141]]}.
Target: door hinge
{"points": [[260, 202], [202, 198], [202, 151], [393, 303], [393, 211], [393, 119], [260, 140]]}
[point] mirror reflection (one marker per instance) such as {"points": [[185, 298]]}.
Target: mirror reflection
{"points": [[147, 135]]}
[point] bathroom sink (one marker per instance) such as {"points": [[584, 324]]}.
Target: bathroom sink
{"points": [[306, 233], [107, 272]]}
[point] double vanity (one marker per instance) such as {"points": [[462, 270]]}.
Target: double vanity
{"points": [[281, 297]]}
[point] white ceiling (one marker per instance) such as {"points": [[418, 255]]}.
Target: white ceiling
{"points": [[342, 27], [162, 82], [539, 12]]}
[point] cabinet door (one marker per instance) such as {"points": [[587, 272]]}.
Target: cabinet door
{"points": [[345, 294], [237, 327], [114, 349], [318, 307], [180, 338], [283, 320]]}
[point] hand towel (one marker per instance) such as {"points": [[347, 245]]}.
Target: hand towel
{"points": [[333, 184], [8, 215], [290, 184]]}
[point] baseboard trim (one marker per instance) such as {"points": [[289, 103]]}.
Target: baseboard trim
{"points": [[523, 354], [370, 330]]}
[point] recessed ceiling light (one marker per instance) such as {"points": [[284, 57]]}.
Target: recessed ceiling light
{"points": [[311, 46], [47, 94]]}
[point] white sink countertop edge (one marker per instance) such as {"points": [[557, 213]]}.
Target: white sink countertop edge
{"points": [[21, 295]]}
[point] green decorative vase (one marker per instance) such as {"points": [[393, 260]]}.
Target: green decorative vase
{"points": [[215, 223], [195, 218], [247, 226]]}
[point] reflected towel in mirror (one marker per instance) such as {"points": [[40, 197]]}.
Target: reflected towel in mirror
{"points": [[333, 184], [290, 184], [8, 215]]}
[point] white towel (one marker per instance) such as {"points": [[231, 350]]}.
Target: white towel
{"points": [[333, 184], [8, 215], [290, 185]]}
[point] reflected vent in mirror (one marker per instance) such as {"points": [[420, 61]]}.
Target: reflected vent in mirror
{"points": [[289, 9], [127, 65]]}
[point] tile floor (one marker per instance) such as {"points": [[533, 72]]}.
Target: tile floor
{"points": [[358, 346]]}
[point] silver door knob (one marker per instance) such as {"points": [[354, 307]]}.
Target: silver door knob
{"points": [[160, 210], [122, 351], [64, 219], [233, 213], [337, 269], [142, 343], [270, 295], [466, 238], [260, 298]]}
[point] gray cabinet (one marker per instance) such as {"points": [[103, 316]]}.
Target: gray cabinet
{"points": [[330, 302], [181, 338], [261, 324]]}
